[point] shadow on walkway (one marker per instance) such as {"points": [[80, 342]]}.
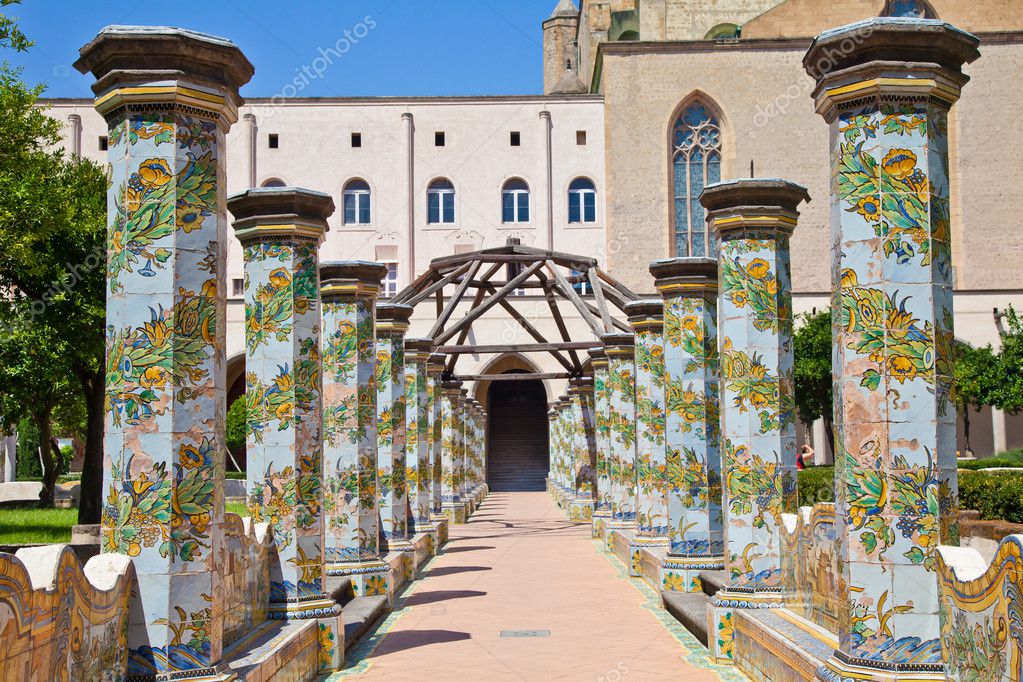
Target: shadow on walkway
{"points": [[451, 570], [435, 596], [401, 640], [467, 548]]}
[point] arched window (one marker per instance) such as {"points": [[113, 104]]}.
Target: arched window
{"points": [[582, 201], [357, 203], [915, 9], [440, 202], [274, 182], [515, 202], [696, 163]]}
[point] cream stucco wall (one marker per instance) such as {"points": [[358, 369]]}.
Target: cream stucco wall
{"points": [[315, 152]]}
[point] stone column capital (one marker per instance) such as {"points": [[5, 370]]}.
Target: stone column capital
{"points": [[347, 279], [392, 318], [598, 358], [646, 315], [143, 65], [617, 343], [890, 59], [280, 212], [753, 205], [435, 364], [676, 277], [418, 350]]}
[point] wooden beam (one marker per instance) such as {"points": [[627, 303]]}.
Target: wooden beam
{"points": [[598, 296], [618, 286], [449, 366], [518, 348], [420, 282], [440, 284], [517, 376], [614, 321], [533, 331], [450, 306], [479, 310], [568, 292], [552, 303]]}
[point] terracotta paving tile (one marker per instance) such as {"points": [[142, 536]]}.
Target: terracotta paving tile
{"points": [[520, 565]]}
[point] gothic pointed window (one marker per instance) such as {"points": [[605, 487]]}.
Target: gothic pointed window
{"points": [[696, 163], [913, 9]]}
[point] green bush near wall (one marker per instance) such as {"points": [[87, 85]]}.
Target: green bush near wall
{"points": [[1009, 458], [996, 495], [816, 484]]}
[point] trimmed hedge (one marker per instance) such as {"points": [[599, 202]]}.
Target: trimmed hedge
{"points": [[816, 484], [1009, 458], [996, 494]]}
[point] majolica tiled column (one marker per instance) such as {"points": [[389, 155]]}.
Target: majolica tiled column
{"points": [[647, 321], [692, 420], [451, 466], [552, 438], [586, 461], [602, 440], [418, 460], [892, 312], [280, 230], [169, 97], [392, 323], [435, 387], [349, 291], [620, 350], [753, 220]]}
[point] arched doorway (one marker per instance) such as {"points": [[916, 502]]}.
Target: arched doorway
{"points": [[518, 451]]}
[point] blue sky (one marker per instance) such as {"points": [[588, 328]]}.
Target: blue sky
{"points": [[393, 47]]}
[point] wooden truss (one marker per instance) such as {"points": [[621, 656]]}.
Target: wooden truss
{"points": [[554, 276]]}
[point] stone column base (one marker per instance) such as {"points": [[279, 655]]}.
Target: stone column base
{"points": [[682, 574], [721, 620], [455, 512], [369, 578], [628, 546], [580, 508], [616, 524], [598, 523]]}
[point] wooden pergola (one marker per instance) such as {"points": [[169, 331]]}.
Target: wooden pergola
{"points": [[551, 274]]}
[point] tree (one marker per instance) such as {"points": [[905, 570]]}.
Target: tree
{"points": [[52, 252], [34, 380], [974, 381], [1008, 391], [811, 346]]}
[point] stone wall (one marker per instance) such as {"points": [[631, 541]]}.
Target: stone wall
{"points": [[60, 621]]}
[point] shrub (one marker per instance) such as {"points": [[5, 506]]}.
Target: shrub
{"points": [[996, 495], [816, 484], [1010, 458]]}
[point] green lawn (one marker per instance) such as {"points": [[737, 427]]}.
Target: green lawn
{"points": [[32, 525]]}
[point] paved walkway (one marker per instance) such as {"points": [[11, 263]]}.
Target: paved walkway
{"points": [[520, 565]]}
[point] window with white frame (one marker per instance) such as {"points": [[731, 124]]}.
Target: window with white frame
{"points": [[515, 202], [582, 201], [440, 202], [389, 285], [357, 203], [580, 283]]}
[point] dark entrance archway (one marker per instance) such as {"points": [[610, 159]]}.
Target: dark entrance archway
{"points": [[518, 451]]}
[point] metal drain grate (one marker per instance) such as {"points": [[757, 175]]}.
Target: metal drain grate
{"points": [[525, 633]]}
